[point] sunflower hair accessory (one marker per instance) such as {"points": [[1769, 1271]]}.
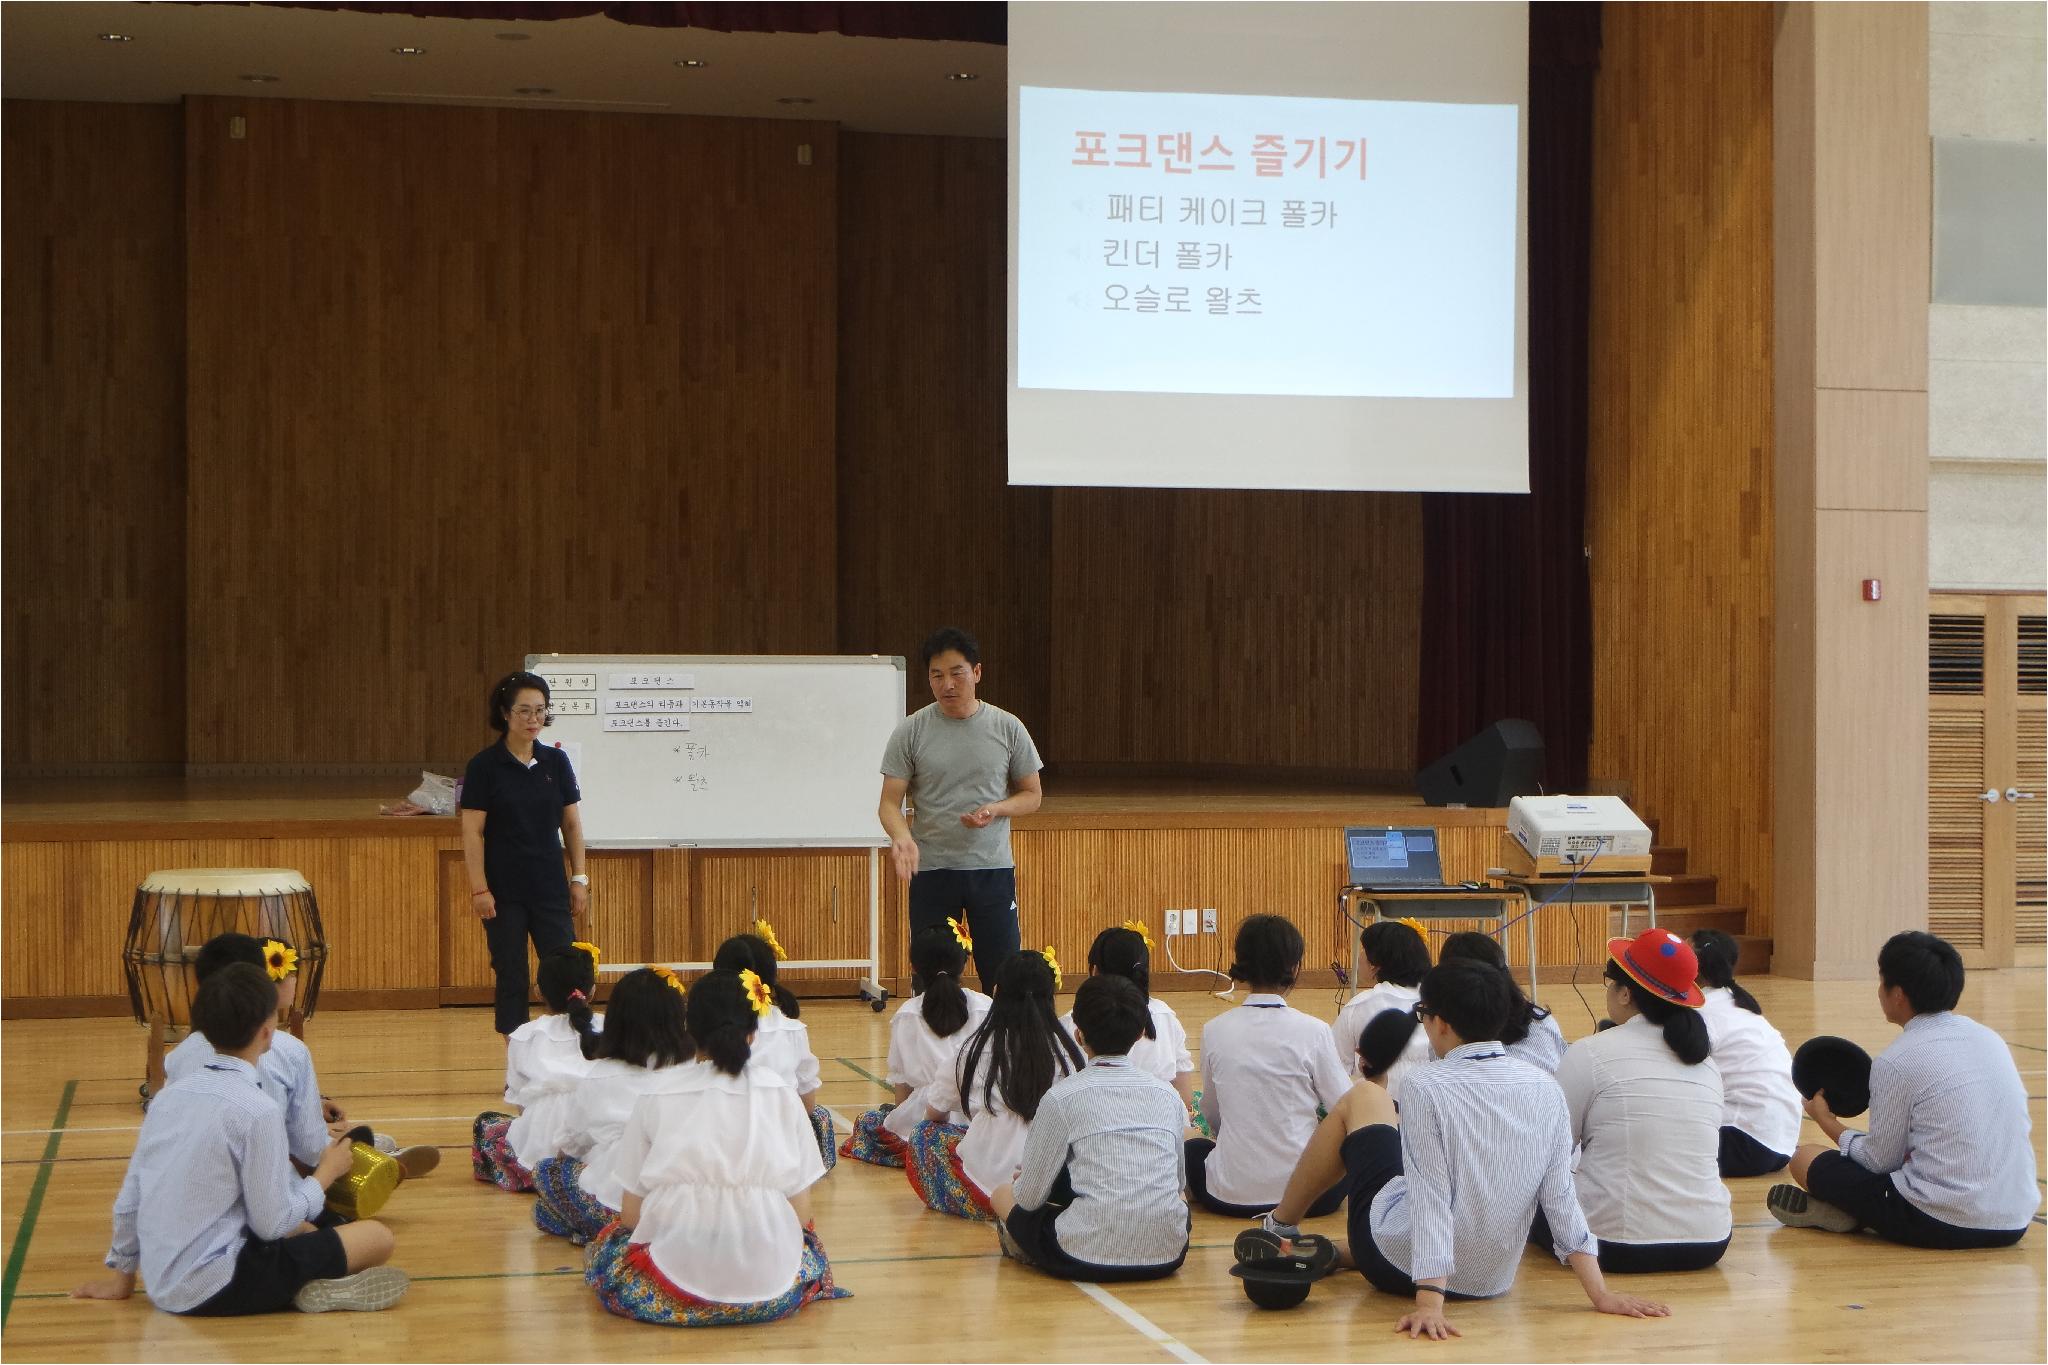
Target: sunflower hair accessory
{"points": [[765, 931], [758, 994], [279, 960], [1052, 960], [960, 934], [595, 957], [1137, 926], [1421, 930], [669, 976]]}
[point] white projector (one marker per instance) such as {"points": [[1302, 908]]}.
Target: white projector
{"points": [[1565, 833]]}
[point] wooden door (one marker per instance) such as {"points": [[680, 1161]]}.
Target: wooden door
{"points": [[1986, 792]]}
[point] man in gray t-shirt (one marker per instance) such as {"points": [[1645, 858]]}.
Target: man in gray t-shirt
{"points": [[966, 767]]}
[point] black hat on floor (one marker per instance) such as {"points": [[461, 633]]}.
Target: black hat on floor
{"points": [[1837, 1066], [1278, 1273]]}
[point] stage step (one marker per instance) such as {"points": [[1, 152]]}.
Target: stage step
{"points": [[1688, 889], [1753, 957], [1667, 860], [1729, 919]]}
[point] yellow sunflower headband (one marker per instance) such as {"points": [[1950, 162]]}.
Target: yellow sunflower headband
{"points": [[960, 935], [765, 931], [1052, 961], [669, 976], [758, 994], [1137, 926], [279, 960], [595, 957], [1421, 930]]}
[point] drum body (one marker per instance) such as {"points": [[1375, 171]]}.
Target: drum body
{"points": [[177, 911]]}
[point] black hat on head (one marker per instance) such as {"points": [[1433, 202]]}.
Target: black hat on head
{"points": [[1838, 1067]]}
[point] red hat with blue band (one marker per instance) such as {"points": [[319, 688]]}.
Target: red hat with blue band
{"points": [[1661, 963]]}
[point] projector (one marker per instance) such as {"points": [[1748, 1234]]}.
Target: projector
{"points": [[1562, 834]]}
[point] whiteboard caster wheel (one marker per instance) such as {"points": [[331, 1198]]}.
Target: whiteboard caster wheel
{"points": [[875, 1005]]}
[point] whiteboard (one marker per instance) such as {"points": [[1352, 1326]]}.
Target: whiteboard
{"points": [[724, 751]]}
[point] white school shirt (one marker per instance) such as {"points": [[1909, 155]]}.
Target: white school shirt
{"points": [[918, 1058], [543, 1062], [1165, 1056], [783, 1045], [715, 1159], [992, 1152], [596, 1115], [1649, 1133], [1265, 1069], [1544, 1047], [1757, 1094], [285, 1073], [1359, 1011]]}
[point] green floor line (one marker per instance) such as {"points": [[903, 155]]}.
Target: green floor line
{"points": [[863, 1071], [17, 1255]]}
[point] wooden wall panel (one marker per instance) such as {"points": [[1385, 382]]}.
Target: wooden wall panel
{"points": [[1679, 466], [92, 328], [469, 382], [930, 532]]}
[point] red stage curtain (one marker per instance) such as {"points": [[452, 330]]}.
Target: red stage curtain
{"points": [[1506, 609]]}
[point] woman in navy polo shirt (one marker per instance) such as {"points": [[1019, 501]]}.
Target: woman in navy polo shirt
{"points": [[518, 810]]}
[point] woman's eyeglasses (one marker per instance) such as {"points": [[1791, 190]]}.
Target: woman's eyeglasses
{"points": [[532, 712]]}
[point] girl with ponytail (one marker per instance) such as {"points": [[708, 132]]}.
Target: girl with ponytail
{"points": [[1012, 1059], [643, 1040], [715, 1167], [1126, 951], [544, 1060], [784, 1044], [1645, 1106], [1761, 1108], [925, 1037]]}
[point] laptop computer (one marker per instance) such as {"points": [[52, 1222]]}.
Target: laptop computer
{"points": [[1393, 859]]}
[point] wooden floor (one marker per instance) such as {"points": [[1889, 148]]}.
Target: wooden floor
{"points": [[927, 1287]]}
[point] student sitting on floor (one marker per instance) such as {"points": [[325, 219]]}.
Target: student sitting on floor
{"points": [[784, 1044], [1266, 1068], [1394, 958], [1645, 1105], [1760, 1105], [1013, 1058], [1948, 1162], [286, 1071], [1532, 1033], [211, 1211], [925, 1037], [1162, 1048], [714, 1223], [544, 1060], [1099, 1195], [644, 1040], [1442, 1195]]}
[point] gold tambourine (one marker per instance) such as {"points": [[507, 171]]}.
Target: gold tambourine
{"points": [[368, 1185]]}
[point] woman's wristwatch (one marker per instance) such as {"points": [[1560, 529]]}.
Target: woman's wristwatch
{"points": [[580, 879]]}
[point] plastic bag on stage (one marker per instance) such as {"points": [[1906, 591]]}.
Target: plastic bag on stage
{"points": [[435, 794]]}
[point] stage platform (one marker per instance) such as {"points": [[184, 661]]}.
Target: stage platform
{"points": [[395, 903]]}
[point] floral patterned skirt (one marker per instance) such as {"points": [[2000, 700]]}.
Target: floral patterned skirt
{"points": [[932, 1161], [565, 1208], [629, 1284], [871, 1142], [828, 1140], [490, 1155]]}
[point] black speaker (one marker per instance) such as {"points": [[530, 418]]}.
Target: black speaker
{"points": [[1502, 761]]}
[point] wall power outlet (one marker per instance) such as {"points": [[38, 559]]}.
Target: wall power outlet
{"points": [[1173, 924], [1209, 920]]}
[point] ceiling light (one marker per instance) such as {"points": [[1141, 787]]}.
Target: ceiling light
{"points": [[693, 63], [116, 38], [259, 78], [962, 76], [511, 37], [795, 99], [409, 51], [535, 90]]}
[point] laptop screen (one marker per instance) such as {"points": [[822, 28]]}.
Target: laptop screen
{"points": [[1377, 855]]}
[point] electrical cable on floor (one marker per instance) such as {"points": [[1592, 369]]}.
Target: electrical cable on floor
{"points": [[1199, 971]]}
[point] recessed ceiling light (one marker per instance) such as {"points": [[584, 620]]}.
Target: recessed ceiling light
{"points": [[511, 37], [116, 38], [694, 63], [962, 76], [409, 51], [259, 78], [535, 90], [795, 99]]}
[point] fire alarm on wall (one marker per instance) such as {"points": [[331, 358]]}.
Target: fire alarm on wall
{"points": [[1873, 590]]}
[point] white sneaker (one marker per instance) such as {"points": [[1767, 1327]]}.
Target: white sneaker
{"points": [[1289, 1231], [384, 1143], [367, 1291], [1795, 1208]]}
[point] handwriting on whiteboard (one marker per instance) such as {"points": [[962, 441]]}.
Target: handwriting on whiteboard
{"points": [[724, 705], [571, 682], [659, 682], [647, 724], [647, 704]]}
